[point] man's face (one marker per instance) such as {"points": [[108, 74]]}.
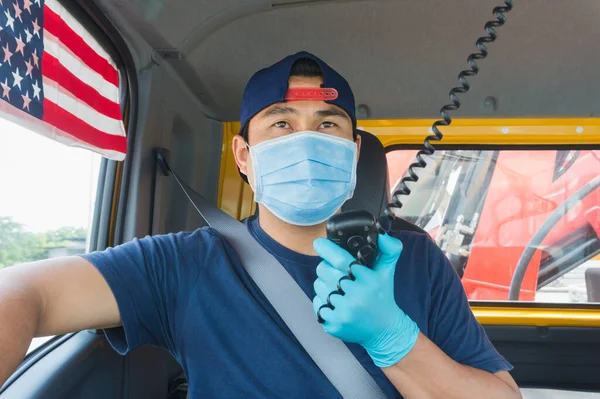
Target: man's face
{"points": [[290, 117]]}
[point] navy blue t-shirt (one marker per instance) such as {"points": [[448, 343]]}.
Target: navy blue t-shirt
{"points": [[189, 293]]}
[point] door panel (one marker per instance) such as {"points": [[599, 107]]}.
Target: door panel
{"points": [[85, 366], [551, 357]]}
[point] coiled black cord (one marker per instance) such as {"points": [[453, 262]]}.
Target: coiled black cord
{"points": [[428, 148], [361, 259]]}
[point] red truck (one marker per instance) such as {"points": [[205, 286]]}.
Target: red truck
{"points": [[511, 221]]}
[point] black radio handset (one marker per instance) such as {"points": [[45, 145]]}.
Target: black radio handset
{"points": [[356, 231]]}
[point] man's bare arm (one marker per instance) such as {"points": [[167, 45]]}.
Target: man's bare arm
{"points": [[50, 297], [428, 373]]}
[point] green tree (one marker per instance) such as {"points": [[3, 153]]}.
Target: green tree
{"points": [[19, 246], [63, 235]]}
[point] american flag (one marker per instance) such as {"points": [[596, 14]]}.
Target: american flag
{"points": [[57, 80]]}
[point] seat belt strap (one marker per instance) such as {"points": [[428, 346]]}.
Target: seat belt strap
{"points": [[330, 354]]}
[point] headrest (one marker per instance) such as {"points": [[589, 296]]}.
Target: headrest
{"points": [[372, 188]]}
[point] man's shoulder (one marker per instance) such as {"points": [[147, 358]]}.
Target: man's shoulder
{"points": [[162, 250], [203, 236], [413, 239], [420, 252]]}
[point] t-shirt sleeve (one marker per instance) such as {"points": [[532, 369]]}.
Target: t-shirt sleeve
{"points": [[452, 325], [150, 278]]}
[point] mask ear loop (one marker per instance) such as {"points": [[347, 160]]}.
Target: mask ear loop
{"points": [[249, 149]]}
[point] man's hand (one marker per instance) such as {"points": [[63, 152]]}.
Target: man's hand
{"points": [[367, 312]]}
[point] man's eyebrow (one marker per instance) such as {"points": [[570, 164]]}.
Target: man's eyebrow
{"points": [[323, 113], [279, 110]]}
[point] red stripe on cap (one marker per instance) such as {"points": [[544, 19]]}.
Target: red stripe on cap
{"points": [[310, 94]]}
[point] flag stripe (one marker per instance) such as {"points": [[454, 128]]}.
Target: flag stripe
{"points": [[56, 26], [64, 99], [62, 82], [82, 71], [55, 71], [76, 26], [63, 120], [40, 127]]}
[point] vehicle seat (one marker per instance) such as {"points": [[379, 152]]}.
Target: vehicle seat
{"points": [[372, 191], [372, 188]]}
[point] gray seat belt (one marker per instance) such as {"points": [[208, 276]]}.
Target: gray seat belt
{"points": [[330, 354]]}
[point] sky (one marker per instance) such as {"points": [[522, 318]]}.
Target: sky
{"points": [[44, 184]]}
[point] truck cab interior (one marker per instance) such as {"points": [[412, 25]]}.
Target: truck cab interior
{"points": [[183, 66]]}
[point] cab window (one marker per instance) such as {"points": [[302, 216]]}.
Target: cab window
{"points": [[516, 224], [47, 194]]}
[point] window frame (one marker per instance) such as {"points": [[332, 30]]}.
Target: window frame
{"points": [[506, 147]]}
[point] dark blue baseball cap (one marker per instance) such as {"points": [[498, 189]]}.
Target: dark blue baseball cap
{"points": [[270, 85]]}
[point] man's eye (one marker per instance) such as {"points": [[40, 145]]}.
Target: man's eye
{"points": [[326, 125], [281, 124]]}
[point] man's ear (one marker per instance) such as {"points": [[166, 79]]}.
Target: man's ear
{"points": [[240, 153]]}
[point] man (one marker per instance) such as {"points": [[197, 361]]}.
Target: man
{"points": [[406, 320]]}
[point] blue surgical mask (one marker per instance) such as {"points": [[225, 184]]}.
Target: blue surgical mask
{"points": [[305, 177]]}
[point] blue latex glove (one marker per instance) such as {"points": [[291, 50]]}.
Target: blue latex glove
{"points": [[367, 313]]}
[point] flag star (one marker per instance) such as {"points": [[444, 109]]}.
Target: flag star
{"points": [[26, 101], [5, 89], [27, 6], [29, 68], [10, 21], [36, 90], [18, 11], [7, 54], [36, 59], [17, 78], [37, 2], [20, 45], [28, 34], [36, 28]]}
